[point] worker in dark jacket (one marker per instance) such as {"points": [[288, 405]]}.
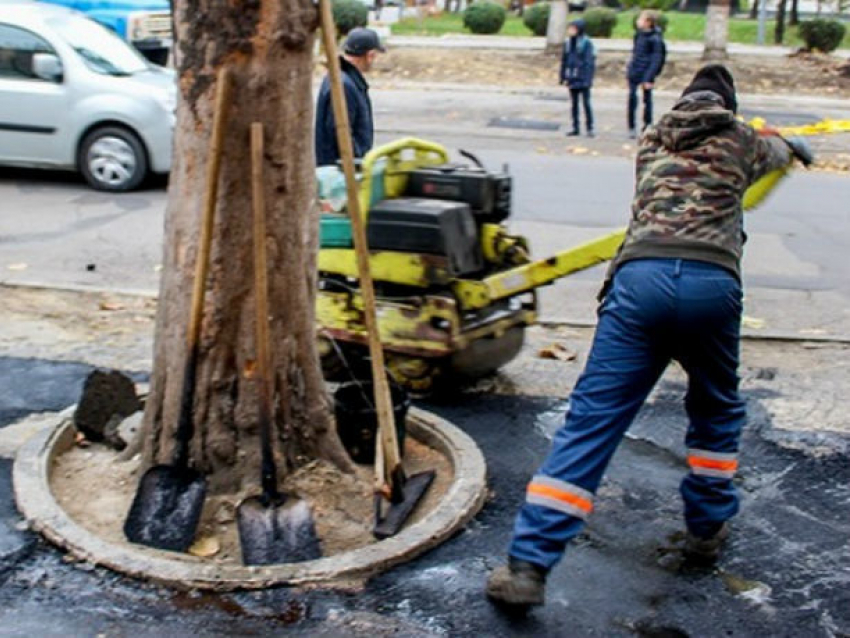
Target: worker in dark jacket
{"points": [[359, 53], [578, 64], [645, 64], [674, 293]]}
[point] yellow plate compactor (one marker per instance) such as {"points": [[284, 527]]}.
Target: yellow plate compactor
{"points": [[455, 290]]}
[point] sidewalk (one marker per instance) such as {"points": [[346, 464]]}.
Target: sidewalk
{"points": [[531, 44]]}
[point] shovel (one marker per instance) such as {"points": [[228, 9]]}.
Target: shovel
{"points": [[392, 485], [168, 503], [272, 528]]}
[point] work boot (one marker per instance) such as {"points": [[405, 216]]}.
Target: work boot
{"points": [[706, 550], [573, 133], [519, 584], [590, 133]]}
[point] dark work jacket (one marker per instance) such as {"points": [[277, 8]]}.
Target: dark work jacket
{"points": [[578, 62], [359, 116], [692, 170], [647, 57]]}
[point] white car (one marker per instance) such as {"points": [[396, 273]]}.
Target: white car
{"points": [[75, 96]]}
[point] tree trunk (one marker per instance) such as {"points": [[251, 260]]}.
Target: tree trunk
{"points": [[267, 47], [556, 31], [716, 30], [779, 32], [754, 10], [794, 17]]}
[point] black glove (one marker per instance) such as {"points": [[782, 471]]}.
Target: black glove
{"points": [[801, 150]]}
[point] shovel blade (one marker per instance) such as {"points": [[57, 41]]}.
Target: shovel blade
{"points": [[272, 532], [167, 508], [413, 491]]}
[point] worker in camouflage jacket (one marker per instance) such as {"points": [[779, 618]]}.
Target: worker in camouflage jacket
{"points": [[673, 293]]}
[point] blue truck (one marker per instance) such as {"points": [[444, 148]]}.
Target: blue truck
{"points": [[146, 24]]}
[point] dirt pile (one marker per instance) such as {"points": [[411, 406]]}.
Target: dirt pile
{"points": [[95, 487]]}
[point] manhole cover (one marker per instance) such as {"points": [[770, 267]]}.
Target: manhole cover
{"points": [[533, 125], [781, 117]]}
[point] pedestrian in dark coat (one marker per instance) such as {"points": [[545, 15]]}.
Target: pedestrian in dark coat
{"points": [[645, 64], [673, 293], [578, 64], [359, 53]]}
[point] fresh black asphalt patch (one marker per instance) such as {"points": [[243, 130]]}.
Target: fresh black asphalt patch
{"points": [[786, 572]]}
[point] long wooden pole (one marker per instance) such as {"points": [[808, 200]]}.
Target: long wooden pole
{"points": [[388, 457]]}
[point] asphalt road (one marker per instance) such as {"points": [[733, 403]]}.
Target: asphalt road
{"points": [[784, 574], [54, 230]]}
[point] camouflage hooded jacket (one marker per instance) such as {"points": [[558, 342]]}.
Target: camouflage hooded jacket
{"points": [[692, 171]]}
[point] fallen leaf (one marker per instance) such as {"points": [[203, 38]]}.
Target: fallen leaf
{"points": [[579, 150], [111, 305], [17, 266], [557, 352], [205, 547], [157, 268], [754, 323]]}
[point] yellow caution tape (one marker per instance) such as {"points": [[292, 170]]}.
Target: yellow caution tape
{"points": [[824, 127]]}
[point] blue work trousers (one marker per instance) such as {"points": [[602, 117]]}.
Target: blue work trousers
{"points": [[656, 310]]}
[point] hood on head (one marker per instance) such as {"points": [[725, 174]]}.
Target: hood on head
{"points": [[580, 26], [695, 117], [716, 78]]}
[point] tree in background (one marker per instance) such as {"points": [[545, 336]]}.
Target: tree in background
{"points": [[779, 31], [556, 31], [716, 30], [267, 47]]}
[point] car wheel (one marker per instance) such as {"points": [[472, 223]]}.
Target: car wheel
{"points": [[113, 159]]}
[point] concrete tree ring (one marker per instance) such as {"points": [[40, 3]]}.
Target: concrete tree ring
{"points": [[465, 497]]}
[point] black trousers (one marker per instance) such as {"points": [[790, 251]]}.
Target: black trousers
{"points": [[633, 105], [584, 96]]}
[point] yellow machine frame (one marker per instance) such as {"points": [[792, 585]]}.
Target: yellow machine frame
{"points": [[431, 324]]}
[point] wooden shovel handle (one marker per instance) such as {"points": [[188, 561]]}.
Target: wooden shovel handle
{"points": [[383, 402], [185, 424], [261, 292], [202, 262]]}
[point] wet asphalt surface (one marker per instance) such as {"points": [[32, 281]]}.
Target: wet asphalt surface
{"points": [[786, 571]]}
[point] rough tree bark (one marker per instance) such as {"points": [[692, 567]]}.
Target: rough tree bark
{"points": [[556, 31], [716, 30], [267, 46], [794, 15], [754, 10]]}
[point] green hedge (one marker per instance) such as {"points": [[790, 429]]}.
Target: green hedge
{"points": [[600, 22], [349, 14], [657, 5], [823, 35], [484, 17], [536, 18]]}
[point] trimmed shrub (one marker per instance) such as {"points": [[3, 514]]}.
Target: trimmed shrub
{"points": [[536, 18], [661, 21], [658, 5], [484, 17], [823, 35], [349, 14], [600, 22]]}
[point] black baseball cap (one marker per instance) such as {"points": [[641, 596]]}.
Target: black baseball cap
{"points": [[361, 40]]}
